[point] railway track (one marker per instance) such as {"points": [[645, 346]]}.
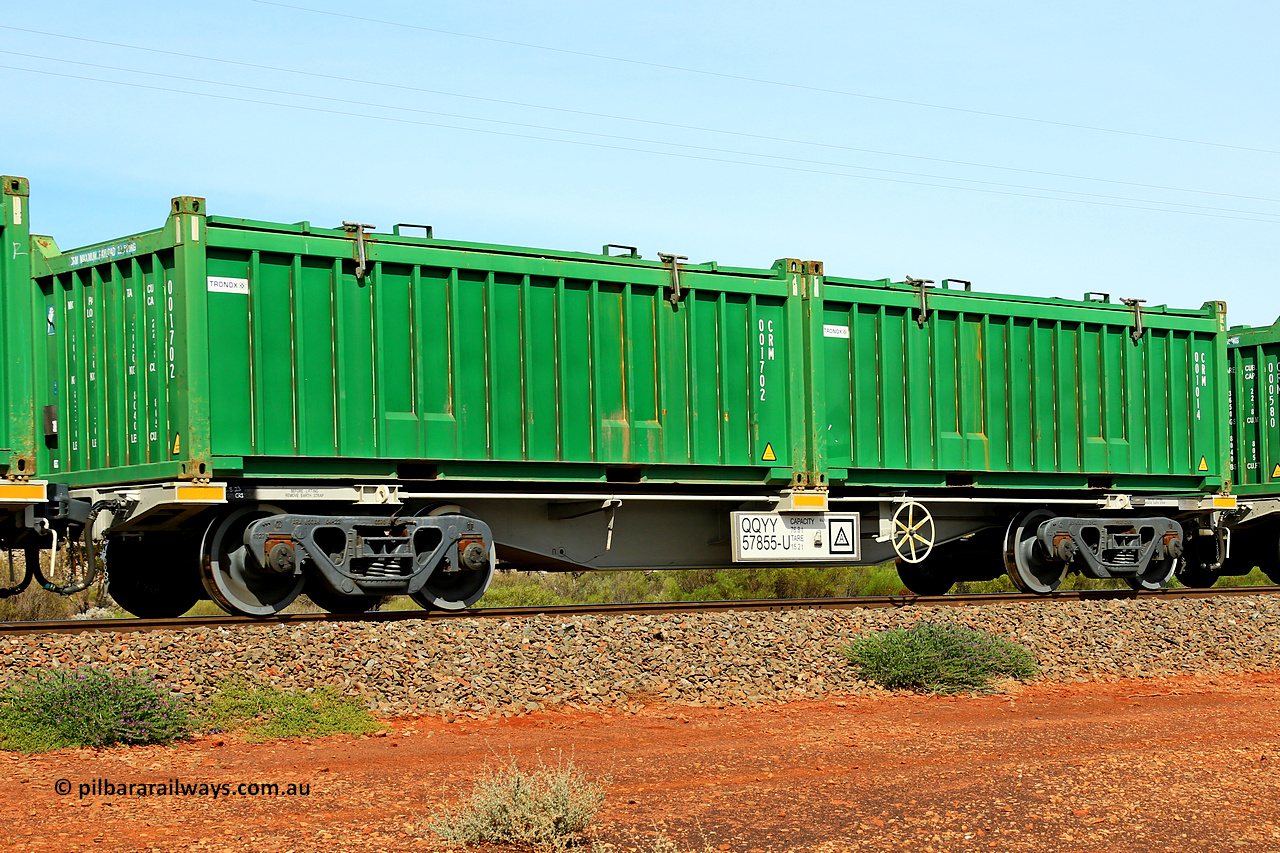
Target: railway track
{"points": [[130, 624]]}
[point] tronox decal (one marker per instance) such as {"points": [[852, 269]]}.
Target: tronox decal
{"points": [[218, 284]]}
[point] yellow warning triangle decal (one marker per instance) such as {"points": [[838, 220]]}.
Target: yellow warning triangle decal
{"points": [[769, 455], [1204, 464], [1275, 472], [177, 443]]}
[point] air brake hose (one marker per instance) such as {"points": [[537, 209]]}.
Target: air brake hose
{"points": [[31, 557], [91, 572]]}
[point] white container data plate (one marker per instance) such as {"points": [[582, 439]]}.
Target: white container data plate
{"points": [[795, 537]]}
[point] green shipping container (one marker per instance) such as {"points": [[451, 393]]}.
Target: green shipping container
{"points": [[1254, 355], [935, 387], [224, 348]]}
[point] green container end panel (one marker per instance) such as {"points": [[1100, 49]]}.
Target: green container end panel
{"points": [[17, 321], [984, 385], [1254, 356], [120, 366]]}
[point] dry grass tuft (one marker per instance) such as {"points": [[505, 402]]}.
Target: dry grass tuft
{"points": [[546, 809]]}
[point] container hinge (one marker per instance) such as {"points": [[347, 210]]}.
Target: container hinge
{"points": [[921, 284], [677, 292], [1136, 305], [358, 228]]}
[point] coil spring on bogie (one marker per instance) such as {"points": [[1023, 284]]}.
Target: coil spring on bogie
{"points": [[382, 569]]}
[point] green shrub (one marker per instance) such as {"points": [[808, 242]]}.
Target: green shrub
{"points": [[546, 809], [515, 589], [264, 713], [520, 589], [939, 657], [786, 582], [89, 707]]}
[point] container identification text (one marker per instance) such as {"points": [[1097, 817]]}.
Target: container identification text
{"points": [[802, 537]]}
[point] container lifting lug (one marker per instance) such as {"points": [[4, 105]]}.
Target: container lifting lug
{"points": [[921, 284], [676, 291], [631, 251], [358, 228], [1136, 305]]}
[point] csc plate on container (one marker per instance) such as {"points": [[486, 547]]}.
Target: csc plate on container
{"points": [[791, 536]]}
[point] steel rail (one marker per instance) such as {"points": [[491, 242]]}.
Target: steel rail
{"points": [[132, 625]]}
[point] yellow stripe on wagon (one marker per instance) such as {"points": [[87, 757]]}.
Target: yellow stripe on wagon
{"points": [[22, 492], [202, 494]]}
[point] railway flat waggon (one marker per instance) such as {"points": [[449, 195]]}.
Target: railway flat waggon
{"points": [[247, 410]]}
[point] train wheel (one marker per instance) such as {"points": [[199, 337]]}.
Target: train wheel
{"points": [[1028, 570], [326, 599], [1267, 552], [922, 581], [233, 578], [152, 576], [454, 590], [1155, 577], [1258, 546]]}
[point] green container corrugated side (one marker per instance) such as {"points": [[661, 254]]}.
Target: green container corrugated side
{"points": [[217, 347], [1254, 355], [1012, 391]]}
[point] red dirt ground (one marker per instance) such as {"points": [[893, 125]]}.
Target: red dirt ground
{"points": [[1138, 765]]}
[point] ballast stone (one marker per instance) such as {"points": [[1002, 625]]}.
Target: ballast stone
{"points": [[488, 667]]}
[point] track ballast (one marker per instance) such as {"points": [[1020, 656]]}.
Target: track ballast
{"points": [[133, 625]]}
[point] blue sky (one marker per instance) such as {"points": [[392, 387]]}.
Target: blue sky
{"points": [[1049, 149]]}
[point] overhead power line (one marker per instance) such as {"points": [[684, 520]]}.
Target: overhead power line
{"points": [[614, 117], [763, 81], [619, 138], [1248, 215]]}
